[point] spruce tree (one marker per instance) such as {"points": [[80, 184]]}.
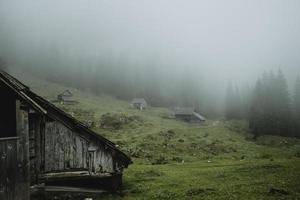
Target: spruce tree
{"points": [[256, 110], [296, 107], [282, 105], [270, 107]]}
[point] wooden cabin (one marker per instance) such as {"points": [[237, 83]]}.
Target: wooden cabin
{"points": [[66, 97], [41, 145], [138, 103], [188, 115]]}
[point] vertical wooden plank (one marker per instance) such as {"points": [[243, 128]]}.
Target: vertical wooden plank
{"points": [[12, 187], [9, 185], [32, 147], [42, 144], [23, 179], [3, 169], [35, 151], [37, 137]]}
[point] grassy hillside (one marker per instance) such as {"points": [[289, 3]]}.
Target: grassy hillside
{"points": [[178, 160]]}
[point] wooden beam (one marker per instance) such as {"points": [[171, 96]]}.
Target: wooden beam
{"points": [[9, 138]]}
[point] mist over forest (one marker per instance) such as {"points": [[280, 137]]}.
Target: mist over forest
{"points": [[172, 53], [149, 99]]}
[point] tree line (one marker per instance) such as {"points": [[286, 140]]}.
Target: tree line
{"points": [[124, 78], [270, 107]]}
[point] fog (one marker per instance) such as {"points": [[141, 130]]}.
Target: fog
{"points": [[164, 43]]}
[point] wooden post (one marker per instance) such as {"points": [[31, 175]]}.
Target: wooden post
{"points": [[22, 174]]}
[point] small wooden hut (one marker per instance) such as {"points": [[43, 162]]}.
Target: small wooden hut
{"points": [[188, 114], [138, 103], [42, 145], [66, 97]]}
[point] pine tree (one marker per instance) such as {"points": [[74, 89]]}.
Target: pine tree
{"points": [[270, 109], [296, 107], [282, 106], [256, 113]]}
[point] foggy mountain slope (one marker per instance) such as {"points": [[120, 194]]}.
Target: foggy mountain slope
{"points": [[168, 154], [152, 119], [172, 51], [235, 62], [50, 90]]}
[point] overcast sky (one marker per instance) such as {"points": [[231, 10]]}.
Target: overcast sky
{"points": [[232, 39]]}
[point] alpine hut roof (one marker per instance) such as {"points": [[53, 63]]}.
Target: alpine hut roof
{"points": [[188, 111], [46, 108], [66, 93]]}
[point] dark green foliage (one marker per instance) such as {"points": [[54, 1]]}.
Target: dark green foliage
{"points": [[278, 192], [117, 120], [270, 108]]}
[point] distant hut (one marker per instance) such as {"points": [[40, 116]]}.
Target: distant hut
{"points": [[138, 103], [42, 147], [188, 114], [66, 97]]}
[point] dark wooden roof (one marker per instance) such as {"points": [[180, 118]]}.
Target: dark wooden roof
{"points": [[66, 93], [188, 111], [48, 109], [200, 117]]}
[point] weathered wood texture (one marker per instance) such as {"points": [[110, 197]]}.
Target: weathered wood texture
{"points": [[66, 149], [35, 146], [38, 138], [22, 152], [14, 182], [103, 160], [8, 168]]}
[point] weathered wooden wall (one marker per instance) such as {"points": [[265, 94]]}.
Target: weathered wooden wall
{"points": [[23, 151], [9, 175], [36, 142], [103, 160], [14, 160], [66, 149]]}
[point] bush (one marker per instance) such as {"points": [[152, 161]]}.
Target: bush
{"points": [[117, 120]]}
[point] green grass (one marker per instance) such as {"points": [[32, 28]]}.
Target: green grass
{"points": [[178, 160]]}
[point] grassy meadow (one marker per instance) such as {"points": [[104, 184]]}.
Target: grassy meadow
{"points": [[177, 160]]}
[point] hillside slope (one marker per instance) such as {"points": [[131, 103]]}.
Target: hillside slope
{"points": [[178, 160]]}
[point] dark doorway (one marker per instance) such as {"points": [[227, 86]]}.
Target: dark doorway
{"points": [[7, 112]]}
